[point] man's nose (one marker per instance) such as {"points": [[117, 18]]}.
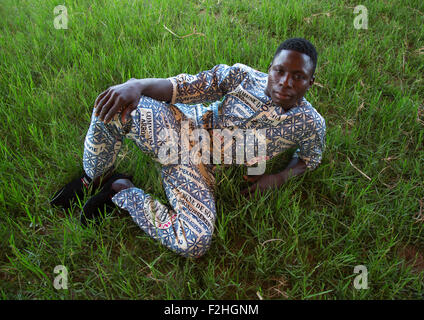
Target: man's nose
{"points": [[286, 80]]}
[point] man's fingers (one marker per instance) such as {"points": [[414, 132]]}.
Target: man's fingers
{"points": [[126, 113], [249, 190], [253, 187], [117, 105], [111, 97], [101, 104], [97, 102], [101, 95], [244, 192]]}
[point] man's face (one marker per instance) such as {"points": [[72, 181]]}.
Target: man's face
{"points": [[289, 77]]}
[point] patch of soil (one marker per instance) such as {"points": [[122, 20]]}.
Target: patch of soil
{"points": [[413, 257]]}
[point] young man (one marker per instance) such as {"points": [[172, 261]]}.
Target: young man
{"points": [[146, 110]]}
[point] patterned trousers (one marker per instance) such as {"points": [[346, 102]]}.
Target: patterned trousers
{"points": [[187, 226]]}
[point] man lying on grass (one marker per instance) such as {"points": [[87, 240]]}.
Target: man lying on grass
{"points": [[146, 110]]}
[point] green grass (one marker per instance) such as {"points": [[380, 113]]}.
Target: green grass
{"points": [[300, 242]]}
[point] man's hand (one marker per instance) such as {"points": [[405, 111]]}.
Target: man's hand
{"points": [[122, 97], [125, 97], [265, 182], [262, 183]]}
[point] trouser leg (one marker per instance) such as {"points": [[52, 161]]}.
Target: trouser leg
{"points": [[187, 226], [101, 146], [147, 128]]}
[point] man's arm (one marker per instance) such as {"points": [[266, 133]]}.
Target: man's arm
{"points": [[308, 156], [125, 96], [156, 88], [296, 167], [209, 85]]}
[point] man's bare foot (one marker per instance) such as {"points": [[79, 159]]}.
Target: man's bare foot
{"points": [[121, 184]]}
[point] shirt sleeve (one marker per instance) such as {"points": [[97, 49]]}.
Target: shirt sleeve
{"points": [[206, 86], [312, 146]]}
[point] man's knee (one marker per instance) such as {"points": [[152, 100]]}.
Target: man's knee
{"points": [[145, 100], [199, 246]]}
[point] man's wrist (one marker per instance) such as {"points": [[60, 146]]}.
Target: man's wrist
{"points": [[155, 88], [140, 84]]}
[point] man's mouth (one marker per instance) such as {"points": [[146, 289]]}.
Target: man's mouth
{"points": [[282, 95]]}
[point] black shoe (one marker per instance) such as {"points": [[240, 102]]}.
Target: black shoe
{"points": [[102, 202], [64, 197]]}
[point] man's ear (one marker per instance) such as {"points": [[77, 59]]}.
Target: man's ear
{"points": [[311, 82], [269, 66]]}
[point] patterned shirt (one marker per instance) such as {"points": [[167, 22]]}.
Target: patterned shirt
{"points": [[239, 102]]}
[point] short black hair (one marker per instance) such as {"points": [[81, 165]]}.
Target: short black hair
{"points": [[300, 45]]}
